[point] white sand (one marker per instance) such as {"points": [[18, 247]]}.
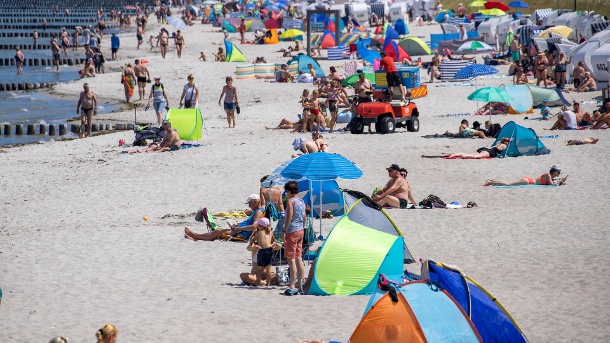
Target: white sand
{"points": [[75, 252]]}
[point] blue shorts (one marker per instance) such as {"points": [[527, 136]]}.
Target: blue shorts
{"points": [[159, 106], [229, 106]]}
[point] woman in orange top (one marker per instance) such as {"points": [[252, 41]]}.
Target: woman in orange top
{"points": [[550, 178]]}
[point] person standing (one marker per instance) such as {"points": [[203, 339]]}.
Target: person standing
{"points": [[139, 34], [362, 87], [86, 35], [55, 49], [392, 74], [159, 98], [75, 40], [164, 40], [35, 37], [190, 93], [19, 60], [231, 102], [179, 42], [44, 24], [142, 76], [242, 31], [86, 107], [463, 33], [115, 43], [515, 49], [294, 231], [128, 79]]}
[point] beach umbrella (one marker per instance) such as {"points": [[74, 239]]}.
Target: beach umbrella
{"points": [[477, 3], [292, 33], [496, 4], [474, 46], [176, 22], [490, 94], [560, 30], [493, 12], [272, 24], [319, 167], [519, 4], [474, 70]]}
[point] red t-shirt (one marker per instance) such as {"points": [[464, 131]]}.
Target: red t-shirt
{"points": [[387, 64]]}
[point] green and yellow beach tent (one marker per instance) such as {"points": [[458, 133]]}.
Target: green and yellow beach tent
{"points": [[414, 46], [233, 54], [352, 257], [188, 122]]}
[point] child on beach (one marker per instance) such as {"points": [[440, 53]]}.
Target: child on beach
{"points": [[202, 56], [306, 103], [150, 41], [331, 101], [263, 245]]}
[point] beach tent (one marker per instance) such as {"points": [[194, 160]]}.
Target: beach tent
{"points": [[271, 37], [255, 24], [489, 317], [351, 81], [363, 210], [523, 101], [420, 312], [188, 122], [228, 26], [233, 54], [440, 17], [524, 141], [301, 61], [352, 257], [553, 95], [389, 32], [349, 38], [414, 46], [332, 197], [395, 51], [328, 40], [401, 27]]}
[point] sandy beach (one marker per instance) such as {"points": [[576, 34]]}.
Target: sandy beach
{"points": [[75, 252]]}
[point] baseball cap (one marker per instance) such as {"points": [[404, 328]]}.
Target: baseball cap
{"points": [[545, 100], [555, 167], [157, 77], [252, 197], [263, 222], [393, 167]]}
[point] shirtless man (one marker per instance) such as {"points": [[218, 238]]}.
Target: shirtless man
{"points": [[55, 49], [171, 141], [396, 191], [142, 76], [87, 105], [578, 74], [588, 83], [139, 34], [164, 40], [515, 49], [35, 37], [271, 194], [362, 86]]}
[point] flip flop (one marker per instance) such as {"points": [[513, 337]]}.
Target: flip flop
{"points": [[290, 292]]}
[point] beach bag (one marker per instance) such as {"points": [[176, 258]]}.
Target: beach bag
{"points": [[279, 229], [432, 201], [189, 103], [282, 273], [271, 212], [309, 236]]}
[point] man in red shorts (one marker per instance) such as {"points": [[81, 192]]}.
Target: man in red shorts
{"points": [[392, 74]]}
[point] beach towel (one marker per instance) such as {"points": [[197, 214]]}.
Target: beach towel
{"points": [[127, 81], [527, 186]]}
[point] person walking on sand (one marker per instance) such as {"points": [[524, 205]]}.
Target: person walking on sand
{"points": [[163, 40], [142, 76], [115, 43], [19, 60], [86, 107], [179, 42], [107, 334], [139, 34], [128, 79], [231, 101], [293, 234], [159, 98], [190, 93]]}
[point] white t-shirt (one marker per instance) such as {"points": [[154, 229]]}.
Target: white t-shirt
{"points": [[439, 7], [570, 118], [305, 78], [189, 93]]}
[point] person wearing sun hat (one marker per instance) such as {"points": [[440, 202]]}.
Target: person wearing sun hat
{"points": [[547, 179], [396, 192]]}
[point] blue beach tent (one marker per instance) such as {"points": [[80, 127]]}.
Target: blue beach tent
{"points": [[524, 141], [303, 60], [401, 27]]}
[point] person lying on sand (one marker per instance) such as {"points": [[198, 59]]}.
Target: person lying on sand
{"points": [[305, 146], [241, 230], [496, 108], [396, 192], [481, 153], [551, 178], [589, 140], [320, 143], [466, 132], [170, 142]]}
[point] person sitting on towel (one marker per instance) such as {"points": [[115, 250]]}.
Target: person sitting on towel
{"points": [[588, 83], [170, 142], [396, 192], [566, 120]]}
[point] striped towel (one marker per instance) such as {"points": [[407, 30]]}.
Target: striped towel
{"points": [[448, 69], [350, 68], [335, 52]]}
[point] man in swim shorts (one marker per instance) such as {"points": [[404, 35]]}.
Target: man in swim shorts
{"points": [[142, 76], [392, 74], [396, 192], [515, 49], [87, 105]]}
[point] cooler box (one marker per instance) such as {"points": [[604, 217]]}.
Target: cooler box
{"points": [[409, 76]]}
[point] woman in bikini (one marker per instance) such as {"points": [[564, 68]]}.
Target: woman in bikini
{"points": [[178, 42], [561, 68], [481, 153], [331, 99], [316, 113], [317, 138], [549, 179], [541, 69], [520, 78], [306, 103]]}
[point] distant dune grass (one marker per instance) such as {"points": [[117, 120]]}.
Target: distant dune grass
{"points": [[599, 6]]}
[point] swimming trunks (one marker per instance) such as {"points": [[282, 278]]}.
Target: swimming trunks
{"points": [[583, 122], [332, 106], [141, 79], [468, 133], [515, 55], [315, 111], [56, 57], [86, 110], [492, 152], [263, 257], [394, 79], [403, 203], [578, 142], [139, 38]]}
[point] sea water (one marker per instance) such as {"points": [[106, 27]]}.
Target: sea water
{"points": [[38, 74], [37, 107]]}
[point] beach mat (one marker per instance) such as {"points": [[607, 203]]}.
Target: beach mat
{"points": [[527, 186]]}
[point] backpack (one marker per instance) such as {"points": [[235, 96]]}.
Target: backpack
{"points": [[432, 201], [152, 88]]}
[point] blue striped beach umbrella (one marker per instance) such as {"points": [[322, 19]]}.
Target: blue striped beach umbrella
{"points": [[176, 22], [474, 70]]}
